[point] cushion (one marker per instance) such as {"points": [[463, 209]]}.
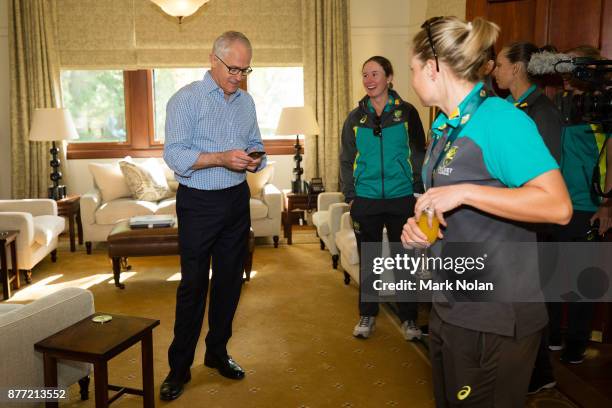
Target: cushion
{"points": [[257, 181], [347, 245], [166, 207], [145, 180], [123, 208], [258, 209], [172, 183], [47, 227], [109, 180]]}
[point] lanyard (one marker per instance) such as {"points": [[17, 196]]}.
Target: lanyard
{"points": [[469, 111]]}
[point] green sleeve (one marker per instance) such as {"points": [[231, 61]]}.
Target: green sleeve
{"points": [[514, 151]]}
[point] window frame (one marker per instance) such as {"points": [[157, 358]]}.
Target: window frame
{"points": [[140, 127]]}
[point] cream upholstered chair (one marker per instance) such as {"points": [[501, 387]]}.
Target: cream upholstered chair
{"points": [[39, 227], [347, 247], [21, 326], [330, 207]]}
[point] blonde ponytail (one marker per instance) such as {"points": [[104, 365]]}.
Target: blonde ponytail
{"points": [[462, 46]]}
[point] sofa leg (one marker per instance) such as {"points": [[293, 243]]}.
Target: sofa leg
{"points": [[54, 255], [322, 244], [88, 247], [335, 261], [275, 238], [84, 388], [27, 275], [347, 278]]}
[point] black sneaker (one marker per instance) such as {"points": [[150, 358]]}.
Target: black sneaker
{"points": [[573, 355]]}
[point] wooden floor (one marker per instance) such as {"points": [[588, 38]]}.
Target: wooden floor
{"points": [[588, 384]]}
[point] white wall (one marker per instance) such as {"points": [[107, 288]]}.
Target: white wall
{"points": [[5, 138], [386, 28]]}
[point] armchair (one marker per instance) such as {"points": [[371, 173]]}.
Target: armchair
{"points": [[39, 227], [330, 207], [21, 326]]}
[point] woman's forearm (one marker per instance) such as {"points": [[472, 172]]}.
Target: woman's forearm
{"points": [[543, 200]]}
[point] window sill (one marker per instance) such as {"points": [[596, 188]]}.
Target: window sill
{"points": [[75, 152]]}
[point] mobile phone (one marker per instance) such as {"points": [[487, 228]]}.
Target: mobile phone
{"points": [[256, 155]]}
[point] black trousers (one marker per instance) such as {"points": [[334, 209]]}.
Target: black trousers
{"points": [[580, 314], [211, 223], [370, 216]]}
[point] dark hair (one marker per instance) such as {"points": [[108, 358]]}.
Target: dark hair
{"points": [[585, 51], [521, 52], [384, 63]]}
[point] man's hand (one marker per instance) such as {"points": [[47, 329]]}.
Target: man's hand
{"points": [[604, 215], [237, 160], [254, 164]]}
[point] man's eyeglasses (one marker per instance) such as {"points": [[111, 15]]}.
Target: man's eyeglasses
{"points": [[427, 26], [236, 70]]}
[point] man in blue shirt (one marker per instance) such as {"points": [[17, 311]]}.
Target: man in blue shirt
{"points": [[211, 127]]}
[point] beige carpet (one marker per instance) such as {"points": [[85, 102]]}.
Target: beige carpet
{"points": [[292, 334]]}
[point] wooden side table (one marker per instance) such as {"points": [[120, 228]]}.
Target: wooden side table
{"points": [[8, 239], [295, 204], [70, 207], [97, 343]]}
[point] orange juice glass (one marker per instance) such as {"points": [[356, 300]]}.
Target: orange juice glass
{"points": [[431, 233]]}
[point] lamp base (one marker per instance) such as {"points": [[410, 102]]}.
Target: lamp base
{"points": [[57, 192], [297, 187]]}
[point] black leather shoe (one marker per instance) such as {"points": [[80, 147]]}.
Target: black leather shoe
{"points": [[172, 388], [227, 367]]}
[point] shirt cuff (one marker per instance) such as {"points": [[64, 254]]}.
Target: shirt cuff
{"points": [[184, 167]]}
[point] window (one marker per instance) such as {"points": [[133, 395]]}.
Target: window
{"points": [[273, 88], [119, 113], [165, 83], [97, 103]]}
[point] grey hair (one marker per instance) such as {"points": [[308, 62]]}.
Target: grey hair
{"points": [[225, 40]]}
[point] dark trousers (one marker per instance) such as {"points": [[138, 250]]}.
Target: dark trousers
{"points": [[579, 313], [213, 223], [369, 218], [478, 369]]}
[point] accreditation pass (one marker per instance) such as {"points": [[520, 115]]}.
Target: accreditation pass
{"points": [[24, 394]]}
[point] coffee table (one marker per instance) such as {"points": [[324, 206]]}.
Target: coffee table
{"points": [[97, 343], [124, 242]]}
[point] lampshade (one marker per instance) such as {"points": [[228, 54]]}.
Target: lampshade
{"points": [[52, 124], [180, 8], [297, 121]]}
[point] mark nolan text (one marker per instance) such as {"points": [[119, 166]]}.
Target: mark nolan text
{"points": [[460, 284]]}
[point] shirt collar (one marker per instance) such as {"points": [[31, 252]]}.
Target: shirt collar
{"points": [[521, 102], [390, 103], [455, 118], [209, 85]]}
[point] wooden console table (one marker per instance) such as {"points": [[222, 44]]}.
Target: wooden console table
{"points": [[8, 239], [70, 207]]}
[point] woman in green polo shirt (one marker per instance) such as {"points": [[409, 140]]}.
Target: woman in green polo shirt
{"points": [[486, 173]]}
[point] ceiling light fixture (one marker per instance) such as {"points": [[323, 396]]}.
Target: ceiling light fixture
{"points": [[180, 8]]}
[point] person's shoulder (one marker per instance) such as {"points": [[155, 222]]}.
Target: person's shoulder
{"points": [[502, 113], [186, 93], [545, 106], [355, 115]]}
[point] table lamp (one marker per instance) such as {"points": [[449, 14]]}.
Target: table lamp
{"points": [[52, 124], [297, 121]]}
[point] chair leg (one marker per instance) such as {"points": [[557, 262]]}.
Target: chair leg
{"points": [[54, 255], [347, 278], [275, 238], [322, 244], [84, 388], [335, 261], [88, 247], [27, 275]]}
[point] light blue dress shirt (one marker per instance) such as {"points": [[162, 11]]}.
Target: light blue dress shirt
{"points": [[200, 120]]}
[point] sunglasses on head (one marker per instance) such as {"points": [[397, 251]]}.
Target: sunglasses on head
{"points": [[427, 26]]}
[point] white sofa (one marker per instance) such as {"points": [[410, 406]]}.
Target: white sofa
{"points": [[347, 248], [99, 216], [330, 207], [23, 326], [39, 227]]}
